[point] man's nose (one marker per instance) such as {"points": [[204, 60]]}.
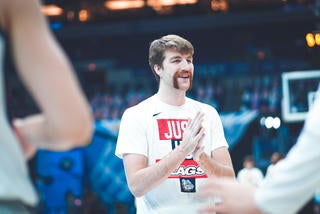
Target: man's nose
{"points": [[185, 64]]}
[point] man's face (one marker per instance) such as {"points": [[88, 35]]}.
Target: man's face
{"points": [[177, 70]]}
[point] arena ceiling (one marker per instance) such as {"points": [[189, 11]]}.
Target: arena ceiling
{"points": [[87, 29], [77, 18], [103, 11]]}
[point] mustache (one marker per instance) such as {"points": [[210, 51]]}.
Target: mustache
{"points": [[182, 73]]}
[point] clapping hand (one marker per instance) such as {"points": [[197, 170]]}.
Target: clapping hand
{"points": [[28, 149], [193, 134]]}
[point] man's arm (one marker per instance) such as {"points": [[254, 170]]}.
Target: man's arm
{"points": [[218, 165], [65, 120], [296, 177], [142, 179], [219, 162]]}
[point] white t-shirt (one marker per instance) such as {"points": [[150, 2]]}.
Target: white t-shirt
{"points": [[153, 129], [253, 176], [295, 178], [270, 170]]}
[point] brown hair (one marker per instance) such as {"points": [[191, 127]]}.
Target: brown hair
{"points": [[159, 46]]}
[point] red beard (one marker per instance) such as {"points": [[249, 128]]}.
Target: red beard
{"points": [[179, 74]]}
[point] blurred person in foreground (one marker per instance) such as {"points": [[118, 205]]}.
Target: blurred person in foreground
{"points": [[65, 120], [293, 183], [170, 143]]}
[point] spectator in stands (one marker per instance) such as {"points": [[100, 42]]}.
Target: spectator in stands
{"points": [[246, 98], [293, 185], [65, 121], [171, 143], [274, 159], [250, 174]]}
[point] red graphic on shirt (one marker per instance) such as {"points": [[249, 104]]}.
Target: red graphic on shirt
{"points": [[171, 129], [188, 169]]}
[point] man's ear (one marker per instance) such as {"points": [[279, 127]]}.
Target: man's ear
{"points": [[157, 69]]}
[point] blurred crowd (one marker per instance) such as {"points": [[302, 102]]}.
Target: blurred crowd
{"points": [[108, 102], [262, 94]]}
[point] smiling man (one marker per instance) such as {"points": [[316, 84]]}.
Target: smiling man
{"points": [[170, 143]]}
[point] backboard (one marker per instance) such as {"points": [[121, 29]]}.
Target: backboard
{"points": [[299, 90]]}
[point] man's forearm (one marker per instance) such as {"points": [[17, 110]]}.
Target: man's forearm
{"points": [[148, 178], [213, 167]]}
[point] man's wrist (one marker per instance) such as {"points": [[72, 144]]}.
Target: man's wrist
{"points": [[182, 151], [200, 157]]}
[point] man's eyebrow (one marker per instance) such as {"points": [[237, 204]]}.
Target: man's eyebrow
{"points": [[175, 57], [179, 57]]}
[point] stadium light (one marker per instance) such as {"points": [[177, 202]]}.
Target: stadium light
{"points": [[124, 4], [51, 10], [83, 15], [313, 39], [158, 4], [270, 122]]}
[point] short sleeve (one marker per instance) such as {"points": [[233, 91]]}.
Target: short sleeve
{"points": [[217, 130], [131, 137]]}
